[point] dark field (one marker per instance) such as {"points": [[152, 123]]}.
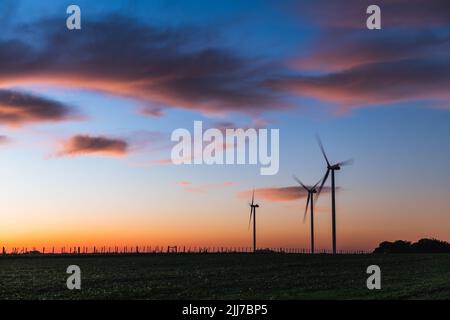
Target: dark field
{"points": [[227, 276]]}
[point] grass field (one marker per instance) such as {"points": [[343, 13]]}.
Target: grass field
{"points": [[227, 276]]}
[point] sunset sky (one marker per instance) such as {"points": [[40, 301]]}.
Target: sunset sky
{"points": [[86, 118]]}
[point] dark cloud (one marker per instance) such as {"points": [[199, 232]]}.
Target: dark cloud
{"points": [[343, 49], [377, 83], [85, 144], [17, 108], [151, 111], [351, 66], [394, 13], [121, 56], [180, 67]]}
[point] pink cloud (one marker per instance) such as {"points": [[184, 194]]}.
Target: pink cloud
{"points": [[189, 186], [343, 49], [155, 112], [154, 68], [370, 84], [18, 108], [184, 183], [278, 194], [96, 145]]}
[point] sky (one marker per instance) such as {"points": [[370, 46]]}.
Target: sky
{"points": [[86, 118]]}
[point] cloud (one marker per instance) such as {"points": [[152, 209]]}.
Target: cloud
{"points": [[344, 49], [351, 66], [184, 183], [156, 66], [180, 67], [97, 145], [151, 111], [378, 83], [189, 186], [4, 139], [18, 108], [278, 194], [161, 161], [394, 13]]}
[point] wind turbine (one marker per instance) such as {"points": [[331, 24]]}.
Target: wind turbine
{"points": [[311, 191], [253, 207], [331, 168]]}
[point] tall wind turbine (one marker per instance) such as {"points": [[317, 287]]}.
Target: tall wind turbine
{"points": [[253, 207], [311, 191], [331, 168]]}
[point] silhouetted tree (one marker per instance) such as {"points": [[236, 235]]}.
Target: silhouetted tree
{"points": [[431, 246], [421, 246]]}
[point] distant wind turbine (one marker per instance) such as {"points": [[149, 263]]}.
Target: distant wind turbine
{"points": [[331, 168], [253, 207], [311, 191]]}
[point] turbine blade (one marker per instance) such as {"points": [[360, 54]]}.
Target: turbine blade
{"points": [[301, 183], [346, 162], [315, 186], [253, 197], [306, 209], [250, 220], [322, 184], [322, 149]]}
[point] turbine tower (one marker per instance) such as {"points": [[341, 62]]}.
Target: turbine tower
{"points": [[253, 207], [331, 168], [311, 191]]}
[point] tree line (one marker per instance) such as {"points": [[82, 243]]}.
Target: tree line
{"points": [[421, 246]]}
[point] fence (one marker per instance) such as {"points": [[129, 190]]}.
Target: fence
{"points": [[116, 250]]}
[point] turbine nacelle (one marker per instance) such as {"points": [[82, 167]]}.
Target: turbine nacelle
{"points": [[311, 190]]}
